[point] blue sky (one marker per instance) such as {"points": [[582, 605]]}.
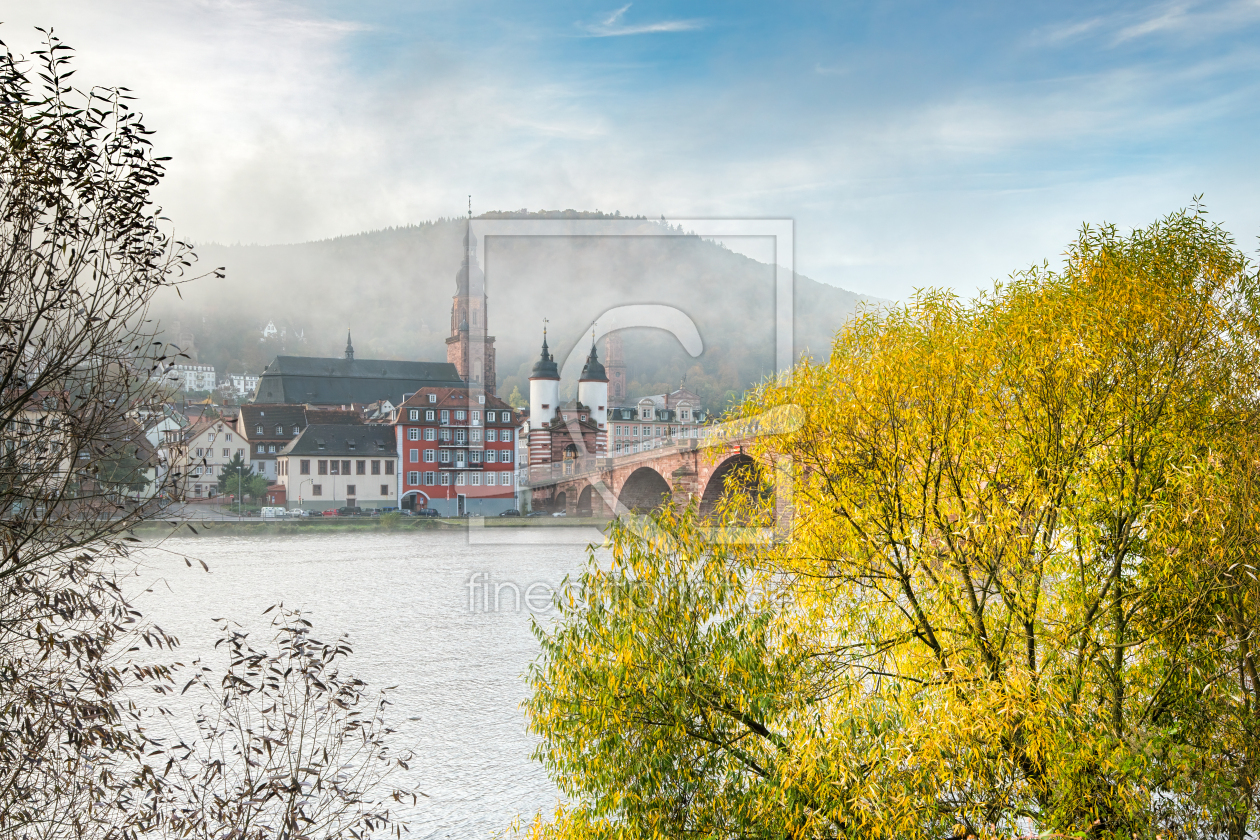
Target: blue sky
{"points": [[914, 144]]}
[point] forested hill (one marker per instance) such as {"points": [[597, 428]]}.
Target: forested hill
{"points": [[392, 289]]}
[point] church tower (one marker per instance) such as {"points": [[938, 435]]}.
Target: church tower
{"points": [[469, 347], [544, 399], [616, 368]]}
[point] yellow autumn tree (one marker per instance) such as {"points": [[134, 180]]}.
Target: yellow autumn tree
{"points": [[1017, 593]]}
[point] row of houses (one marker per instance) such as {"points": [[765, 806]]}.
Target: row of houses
{"points": [[203, 378]]}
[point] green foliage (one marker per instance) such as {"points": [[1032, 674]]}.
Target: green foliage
{"points": [[1019, 582], [122, 471], [234, 476]]}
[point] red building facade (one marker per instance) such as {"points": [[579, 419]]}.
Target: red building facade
{"points": [[457, 452]]}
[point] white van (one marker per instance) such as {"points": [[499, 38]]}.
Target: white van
{"points": [[271, 512]]}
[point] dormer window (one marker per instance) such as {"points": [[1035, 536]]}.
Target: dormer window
{"points": [[350, 444], [258, 429], [432, 398], [295, 431], [319, 442]]}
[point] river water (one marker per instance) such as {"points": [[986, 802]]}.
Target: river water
{"points": [[457, 658]]}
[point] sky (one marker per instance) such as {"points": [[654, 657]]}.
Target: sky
{"points": [[913, 144]]}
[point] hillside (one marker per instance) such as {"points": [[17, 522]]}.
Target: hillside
{"points": [[392, 289]]}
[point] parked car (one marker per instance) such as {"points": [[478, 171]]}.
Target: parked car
{"points": [[534, 513], [559, 513], [510, 512], [427, 512], [329, 513]]}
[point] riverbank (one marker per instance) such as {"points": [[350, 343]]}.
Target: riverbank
{"points": [[328, 524]]}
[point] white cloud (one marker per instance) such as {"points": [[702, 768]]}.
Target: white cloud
{"points": [[612, 26]]}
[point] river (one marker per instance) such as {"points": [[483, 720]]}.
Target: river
{"points": [[404, 598]]}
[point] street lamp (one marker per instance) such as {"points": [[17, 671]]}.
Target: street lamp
{"points": [[302, 484]]}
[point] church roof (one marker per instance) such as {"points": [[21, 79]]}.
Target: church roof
{"points": [[320, 381]]}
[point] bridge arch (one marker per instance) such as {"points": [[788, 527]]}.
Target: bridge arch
{"points": [[644, 490], [585, 499], [737, 474], [560, 502]]}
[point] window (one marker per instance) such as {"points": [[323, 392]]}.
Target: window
{"points": [[271, 448], [415, 456], [414, 414], [481, 398], [199, 451], [428, 415], [360, 467], [196, 470], [279, 431], [304, 466], [295, 431], [376, 468], [491, 436], [323, 467], [413, 434], [446, 479], [258, 430], [476, 418], [476, 479], [460, 414], [581, 416], [430, 434], [260, 449], [228, 437], [334, 467], [474, 456], [226, 452], [566, 417], [429, 478], [413, 478], [446, 456], [240, 452], [475, 435], [389, 468], [490, 479], [446, 434], [460, 478], [384, 489], [350, 444], [460, 436], [430, 455], [345, 468], [319, 442], [446, 416], [505, 435], [432, 399], [489, 416], [489, 456], [350, 490], [317, 489], [684, 414]]}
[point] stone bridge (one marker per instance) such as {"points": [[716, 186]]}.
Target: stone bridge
{"points": [[678, 471]]}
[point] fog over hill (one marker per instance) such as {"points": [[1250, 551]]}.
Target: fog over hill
{"points": [[392, 288]]}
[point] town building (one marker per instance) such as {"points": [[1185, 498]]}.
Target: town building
{"points": [[654, 421], [243, 384], [199, 454], [334, 383], [188, 377], [457, 452], [328, 466], [267, 428]]}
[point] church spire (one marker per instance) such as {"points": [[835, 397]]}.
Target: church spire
{"points": [[349, 347]]}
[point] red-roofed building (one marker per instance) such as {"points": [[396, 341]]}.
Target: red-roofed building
{"points": [[457, 452]]}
